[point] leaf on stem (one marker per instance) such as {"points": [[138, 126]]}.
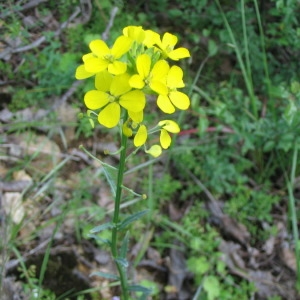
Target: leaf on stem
{"points": [[105, 275], [102, 227], [99, 239], [122, 261], [132, 218], [139, 288], [124, 246]]}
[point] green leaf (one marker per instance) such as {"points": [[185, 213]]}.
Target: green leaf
{"points": [[99, 239], [124, 246], [269, 145], [290, 112], [105, 275], [295, 87], [198, 265], [139, 288], [212, 48], [111, 177], [212, 287], [102, 227], [122, 261], [132, 218]]}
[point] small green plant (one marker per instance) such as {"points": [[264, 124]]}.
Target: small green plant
{"points": [[205, 261], [119, 100]]}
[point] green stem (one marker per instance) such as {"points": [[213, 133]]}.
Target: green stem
{"points": [[114, 236], [293, 212]]}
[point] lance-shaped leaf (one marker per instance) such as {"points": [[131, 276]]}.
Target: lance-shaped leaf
{"points": [[102, 227], [111, 177], [132, 218], [105, 275], [124, 246], [99, 239], [122, 261], [139, 288]]}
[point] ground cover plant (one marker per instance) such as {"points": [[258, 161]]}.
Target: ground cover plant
{"points": [[222, 201]]}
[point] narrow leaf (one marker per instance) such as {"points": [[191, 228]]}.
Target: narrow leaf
{"points": [[102, 227], [99, 239], [124, 246], [111, 177], [133, 218], [139, 288], [105, 275], [122, 261]]}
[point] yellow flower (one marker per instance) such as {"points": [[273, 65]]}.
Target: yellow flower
{"points": [[154, 78], [113, 92], [167, 45], [135, 33], [155, 151], [103, 58], [138, 34], [166, 127], [173, 98]]}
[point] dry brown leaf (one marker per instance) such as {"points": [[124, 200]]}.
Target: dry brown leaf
{"points": [[288, 257]]}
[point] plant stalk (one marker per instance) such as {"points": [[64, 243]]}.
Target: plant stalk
{"points": [[114, 236]]}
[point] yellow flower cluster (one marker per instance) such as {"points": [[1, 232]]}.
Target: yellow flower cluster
{"points": [[134, 67]]}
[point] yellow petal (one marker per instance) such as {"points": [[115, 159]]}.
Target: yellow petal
{"points": [[95, 65], [165, 139], [180, 100], [121, 46], [160, 70], [117, 67], [141, 136], [99, 48], [143, 63], [136, 81], [136, 116], [169, 125], [126, 130], [134, 32], [169, 40], [134, 101], [95, 99], [151, 38], [85, 57], [159, 87], [120, 85], [103, 81], [174, 78], [110, 115], [155, 151], [81, 73], [179, 53], [164, 103]]}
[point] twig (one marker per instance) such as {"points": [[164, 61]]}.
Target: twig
{"points": [[26, 6], [42, 39], [113, 14]]}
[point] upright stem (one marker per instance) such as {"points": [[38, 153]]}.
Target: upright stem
{"points": [[114, 237]]}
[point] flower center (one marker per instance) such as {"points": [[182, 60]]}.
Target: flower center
{"points": [[110, 58], [111, 98]]}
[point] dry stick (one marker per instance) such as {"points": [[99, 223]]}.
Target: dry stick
{"points": [[113, 14], [26, 6], [42, 39]]}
